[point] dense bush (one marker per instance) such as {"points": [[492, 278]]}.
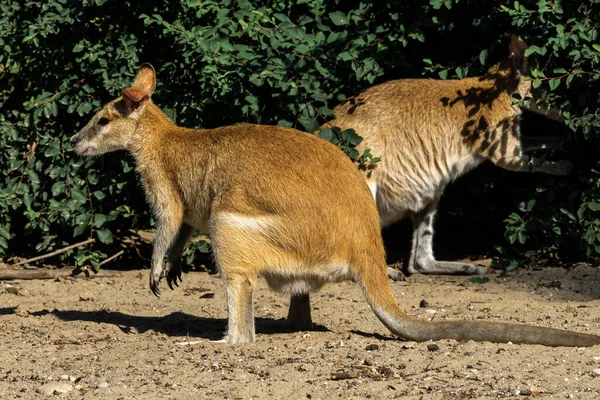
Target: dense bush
{"points": [[285, 62]]}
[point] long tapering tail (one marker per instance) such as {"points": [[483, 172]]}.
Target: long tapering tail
{"points": [[382, 302]]}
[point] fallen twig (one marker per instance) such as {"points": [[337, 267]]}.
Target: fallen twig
{"points": [[109, 259], [13, 274], [30, 260]]}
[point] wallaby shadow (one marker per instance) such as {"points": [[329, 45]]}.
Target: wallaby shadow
{"points": [[7, 310], [174, 324], [375, 335]]}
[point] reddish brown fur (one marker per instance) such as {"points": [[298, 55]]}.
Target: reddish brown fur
{"points": [[276, 203]]}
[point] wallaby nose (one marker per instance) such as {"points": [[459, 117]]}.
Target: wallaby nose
{"points": [[74, 139]]}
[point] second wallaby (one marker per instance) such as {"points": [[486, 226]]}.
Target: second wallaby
{"points": [[429, 132], [277, 203]]}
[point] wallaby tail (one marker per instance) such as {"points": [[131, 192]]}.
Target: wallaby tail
{"points": [[382, 302]]}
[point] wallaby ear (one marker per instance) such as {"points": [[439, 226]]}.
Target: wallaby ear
{"points": [[516, 50], [145, 80], [134, 99]]}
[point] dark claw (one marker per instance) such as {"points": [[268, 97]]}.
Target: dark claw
{"points": [[173, 274]]}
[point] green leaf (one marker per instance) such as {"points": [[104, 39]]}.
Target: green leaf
{"points": [[78, 195], [79, 229], [53, 149], [58, 188], [4, 232], [327, 134], [530, 205], [483, 56], [338, 18], [105, 236], [99, 220], [78, 47], [443, 74], [592, 205]]}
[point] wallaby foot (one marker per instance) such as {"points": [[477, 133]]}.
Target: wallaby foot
{"points": [[395, 274], [299, 318], [434, 267], [560, 168]]}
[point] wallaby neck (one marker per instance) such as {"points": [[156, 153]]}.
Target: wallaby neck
{"points": [[508, 79], [152, 125]]}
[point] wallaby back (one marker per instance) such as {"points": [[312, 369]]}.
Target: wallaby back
{"points": [[277, 203]]}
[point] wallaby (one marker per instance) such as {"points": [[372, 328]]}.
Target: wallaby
{"points": [[429, 132], [275, 202]]}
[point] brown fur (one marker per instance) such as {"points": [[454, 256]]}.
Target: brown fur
{"points": [[277, 203], [430, 132]]}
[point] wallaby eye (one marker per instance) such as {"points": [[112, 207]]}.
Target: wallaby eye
{"points": [[103, 121]]}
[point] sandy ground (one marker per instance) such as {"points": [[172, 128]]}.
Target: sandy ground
{"points": [[110, 338]]}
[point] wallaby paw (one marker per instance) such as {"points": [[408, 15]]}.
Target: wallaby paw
{"points": [[173, 274], [155, 277]]}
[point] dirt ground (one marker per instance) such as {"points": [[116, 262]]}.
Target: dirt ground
{"points": [[110, 338]]}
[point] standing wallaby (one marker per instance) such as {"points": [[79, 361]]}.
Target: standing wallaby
{"points": [[430, 132], [277, 203]]}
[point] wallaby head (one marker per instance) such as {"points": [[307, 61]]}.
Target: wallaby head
{"points": [[520, 67], [114, 126]]}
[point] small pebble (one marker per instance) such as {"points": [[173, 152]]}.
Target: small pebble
{"points": [[51, 388], [102, 385], [11, 289], [596, 372], [424, 304], [64, 377], [372, 347], [338, 376], [433, 347], [430, 311]]}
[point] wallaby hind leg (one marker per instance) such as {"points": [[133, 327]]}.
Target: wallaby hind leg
{"points": [[174, 255], [299, 317], [422, 260], [240, 316]]}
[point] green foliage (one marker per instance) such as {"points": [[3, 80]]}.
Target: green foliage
{"points": [[284, 62]]}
